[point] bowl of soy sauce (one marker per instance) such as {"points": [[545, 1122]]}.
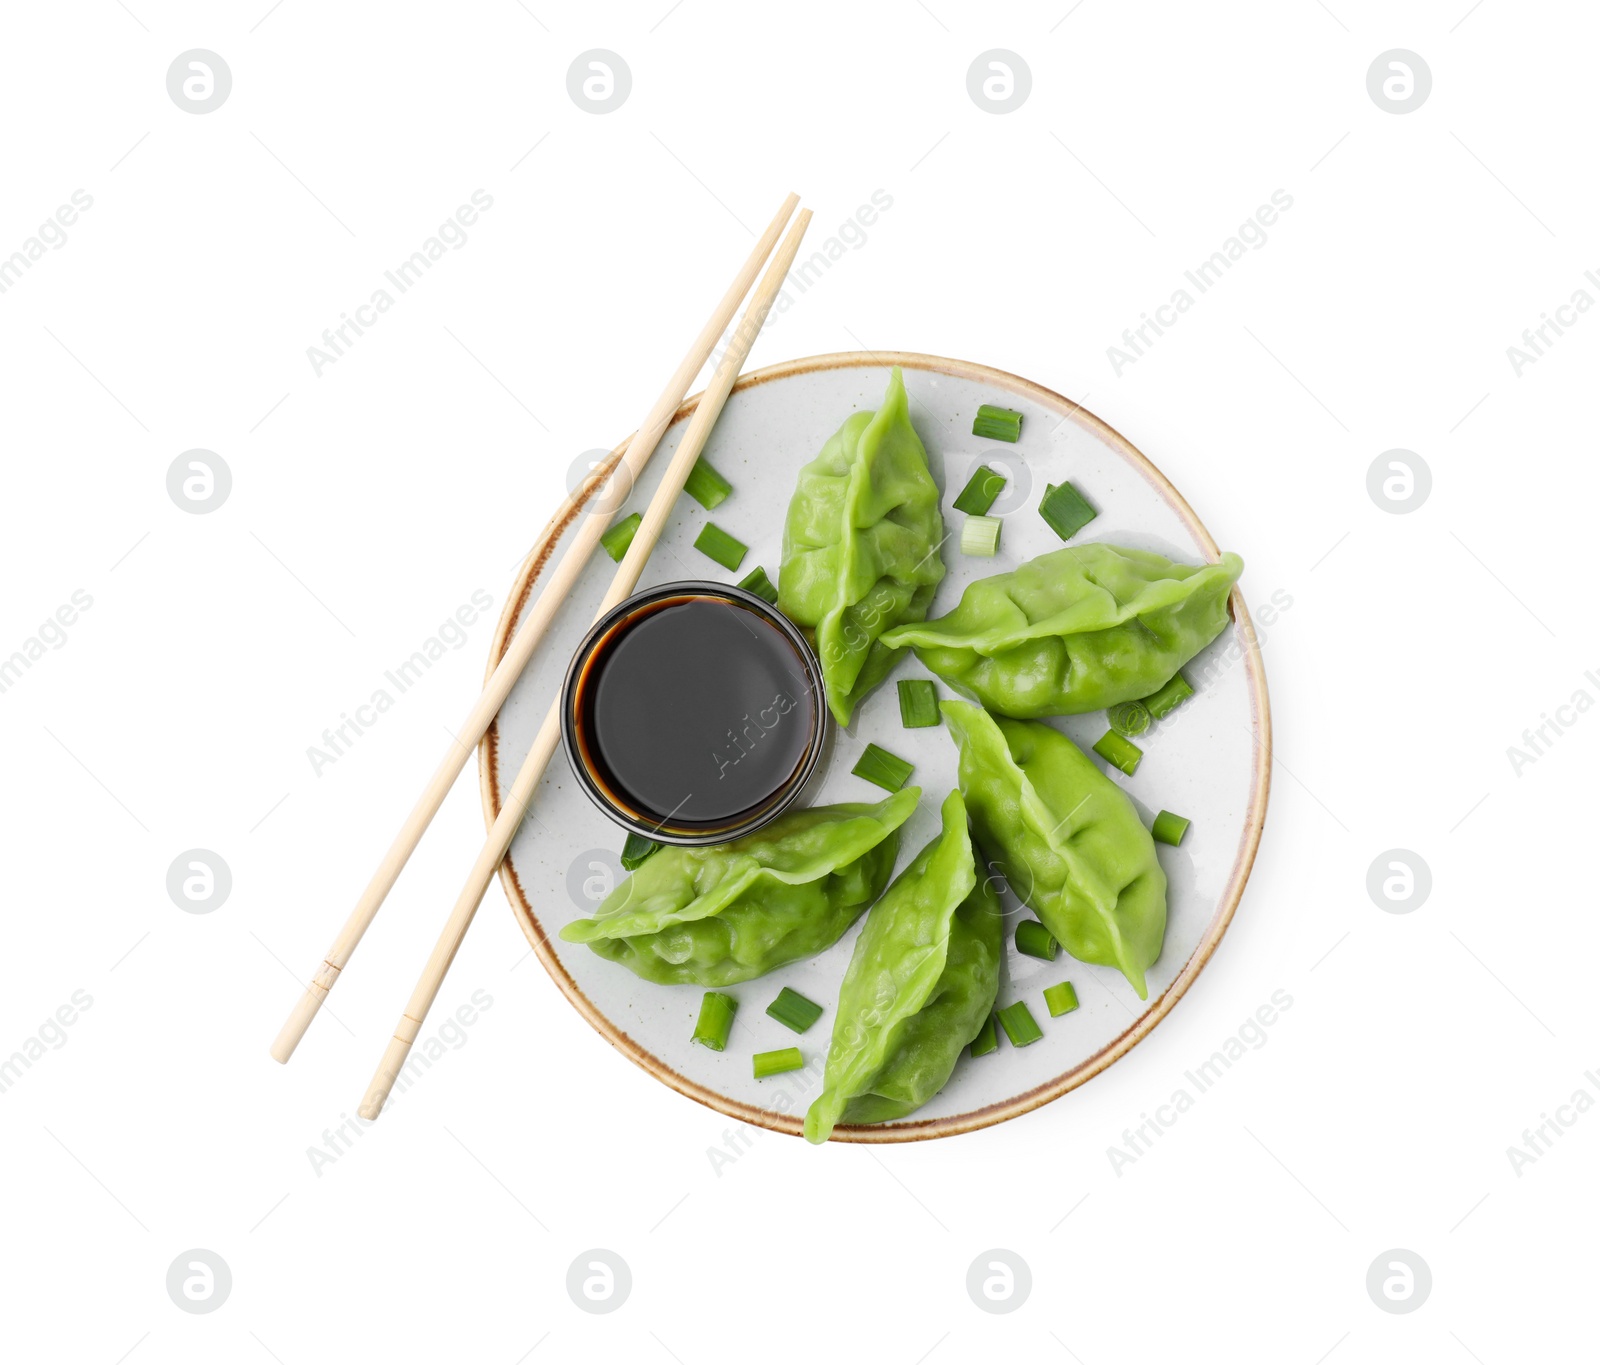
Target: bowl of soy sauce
{"points": [[693, 713]]}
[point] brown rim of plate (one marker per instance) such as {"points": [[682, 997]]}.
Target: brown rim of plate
{"points": [[908, 1130]]}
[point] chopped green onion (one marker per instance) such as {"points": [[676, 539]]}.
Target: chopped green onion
{"points": [[620, 536], [980, 537], [776, 1063], [635, 850], [716, 1020], [1129, 718], [794, 1011], [1017, 1021], [882, 768], [1168, 828], [1035, 940], [1065, 510], [1120, 753], [982, 489], [756, 581], [997, 424], [716, 543], [1060, 999], [706, 486], [986, 1041], [919, 703], [1163, 703]]}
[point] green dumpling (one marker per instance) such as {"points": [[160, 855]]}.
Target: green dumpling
{"points": [[921, 981], [1067, 838], [1075, 630], [723, 913], [861, 546]]}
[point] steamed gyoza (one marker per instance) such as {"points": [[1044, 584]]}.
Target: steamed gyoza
{"points": [[1074, 630], [921, 981], [1067, 838], [861, 546], [723, 913]]}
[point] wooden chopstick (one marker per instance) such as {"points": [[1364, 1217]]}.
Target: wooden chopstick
{"points": [[520, 649], [544, 744]]}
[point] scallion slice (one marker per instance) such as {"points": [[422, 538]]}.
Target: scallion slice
{"points": [[1129, 718], [1017, 1020], [997, 424], [635, 850], [620, 536], [756, 581], [982, 489], [716, 543], [986, 1041], [777, 1062], [1065, 510], [794, 1011], [1122, 754], [1060, 999], [1168, 828], [882, 768], [716, 1020], [706, 486], [1035, 940], [1163, 703], [980, 537], [919, 703]]}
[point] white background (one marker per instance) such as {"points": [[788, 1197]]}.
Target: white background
{"points": [[370, 502]]}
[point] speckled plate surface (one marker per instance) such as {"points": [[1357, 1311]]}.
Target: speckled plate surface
{"points": [[1210, 760]]}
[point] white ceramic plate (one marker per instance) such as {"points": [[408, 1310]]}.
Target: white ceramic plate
{"points": [[1209, 761]]}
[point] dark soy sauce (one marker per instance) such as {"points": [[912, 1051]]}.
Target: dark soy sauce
{"points": [[694, 712]]}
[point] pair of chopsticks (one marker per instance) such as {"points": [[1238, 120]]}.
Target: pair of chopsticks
{"points": [[522, 645]]}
